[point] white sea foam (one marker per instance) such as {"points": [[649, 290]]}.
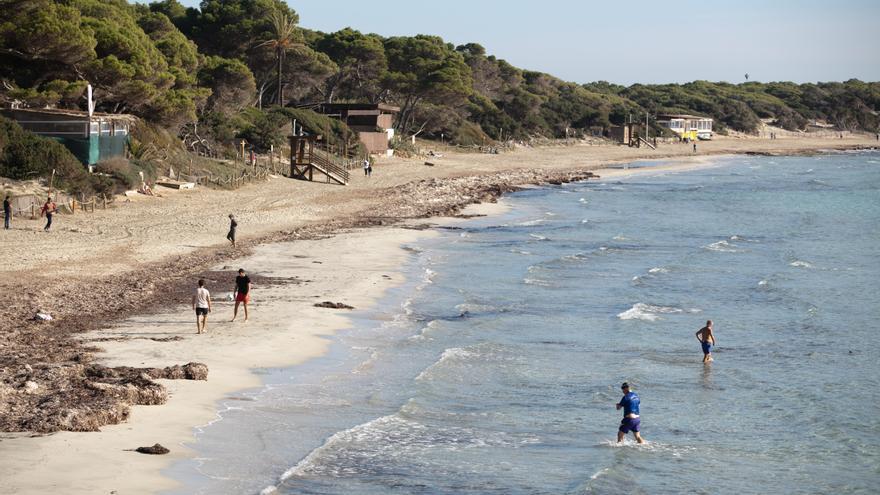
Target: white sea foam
{"points": [[425, 332], [801, 264], [763, 283], [674, 450], [599, 473], [367, 364], [575, 257], [530, 223], [520, 251], [620, 238], [649, 312], [476, 308], [451, 354], [721, 247], [583, 201], [658, 269], [536, 281], [538, 237]]}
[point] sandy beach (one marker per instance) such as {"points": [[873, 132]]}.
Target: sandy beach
{"points": [[97, 266], [284, 329]]}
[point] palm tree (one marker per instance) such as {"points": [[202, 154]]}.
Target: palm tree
{"points": [[284, 37]]}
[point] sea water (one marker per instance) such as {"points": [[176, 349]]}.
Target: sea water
{"points": [[496, 368]]}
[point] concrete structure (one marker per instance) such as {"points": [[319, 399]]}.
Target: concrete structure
{"points": [[687, 126], [374, 122], [91, 138]]}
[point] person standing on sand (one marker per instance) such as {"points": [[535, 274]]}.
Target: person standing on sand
{"points": [[49, 209], [242, 293], [7, 212], [631, 421], [201, 302], [232, 226], [695, 146], [707, 340], [367, 167]]}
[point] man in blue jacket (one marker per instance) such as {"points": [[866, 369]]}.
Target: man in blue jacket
{"points": [[631, 421]]}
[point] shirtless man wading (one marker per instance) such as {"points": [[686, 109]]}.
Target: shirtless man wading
{"points": [[707, 340], [631, 421]]}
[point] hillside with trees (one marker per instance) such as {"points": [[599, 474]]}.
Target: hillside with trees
{"points": [[243, 68]]}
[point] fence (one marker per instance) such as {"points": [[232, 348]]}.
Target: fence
{"points": [[31, 205], [231, 181]]}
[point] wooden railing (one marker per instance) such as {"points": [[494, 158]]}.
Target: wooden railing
{"points": [[330, 168]]}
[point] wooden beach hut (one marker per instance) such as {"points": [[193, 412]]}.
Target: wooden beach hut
{"points": [[90, 137]]}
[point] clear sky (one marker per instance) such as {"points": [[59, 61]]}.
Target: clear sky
{"points": [[640, 40]]}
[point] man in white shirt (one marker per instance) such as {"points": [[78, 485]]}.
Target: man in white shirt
{"points": [[201, 302]]}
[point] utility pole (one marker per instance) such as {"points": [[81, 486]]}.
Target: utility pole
{"points": [[646, 126]]}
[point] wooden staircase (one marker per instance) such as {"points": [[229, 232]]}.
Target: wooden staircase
{"points": [[305, 160]]}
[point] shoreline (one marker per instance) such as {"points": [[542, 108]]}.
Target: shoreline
{"points": [[285, 329], [48, 452]]}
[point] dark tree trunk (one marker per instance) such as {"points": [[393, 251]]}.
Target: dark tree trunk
{"points": [[280, 56]]}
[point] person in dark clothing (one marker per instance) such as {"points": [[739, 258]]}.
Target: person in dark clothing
{"points": [[695, 147], [631, 421], [242, 293], [232, 226], [7, 212], [49, 209]]}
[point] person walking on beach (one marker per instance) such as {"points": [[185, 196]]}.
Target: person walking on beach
{"points": [[695, 146], [49, 209], [232, 225], [7, 212], [242, 293], [368, 169], [707, 340], [631, 422], [201, 302]]}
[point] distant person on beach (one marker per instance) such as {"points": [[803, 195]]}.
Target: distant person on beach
{"points": [[368, 168], [7, 212], [232, 226], [49, 208], [631, 422], [695, 147], [242, 293], [707, 340], [201, 302]]}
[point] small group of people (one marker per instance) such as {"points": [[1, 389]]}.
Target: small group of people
{"points": [[368, 167], [630, 402], [49, 208], [202, 304]]}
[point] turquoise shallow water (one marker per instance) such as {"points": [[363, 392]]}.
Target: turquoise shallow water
{"points": [[496, 368]]}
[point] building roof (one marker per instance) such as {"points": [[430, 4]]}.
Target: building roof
{"points": [[360, 108], [663, 116], [70, 113]]}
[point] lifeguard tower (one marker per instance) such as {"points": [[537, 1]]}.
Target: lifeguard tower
{"points": [[306, 159]]}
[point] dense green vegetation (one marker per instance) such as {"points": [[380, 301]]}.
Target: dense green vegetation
{"points": [[225, 70]]}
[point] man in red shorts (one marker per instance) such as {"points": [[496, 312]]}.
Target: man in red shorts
{"points": [[242, 293]]}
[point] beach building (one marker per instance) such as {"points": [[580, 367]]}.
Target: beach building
{"points": [[687, 126], [374, 122], [90, 137]]}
